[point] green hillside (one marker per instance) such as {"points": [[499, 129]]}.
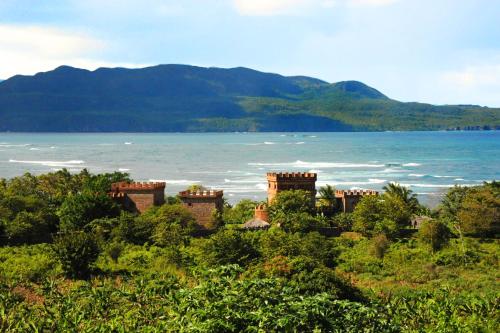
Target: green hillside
{"points": [[179, 98]]}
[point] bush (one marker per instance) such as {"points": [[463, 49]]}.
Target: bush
{"points": [[77, 252], [79, 210], [435, 233]]}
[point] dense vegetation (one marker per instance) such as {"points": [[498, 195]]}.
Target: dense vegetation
{"points": [[72, 260], [178, 98]]}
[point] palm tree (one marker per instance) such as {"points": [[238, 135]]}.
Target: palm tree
{"points": [[404, 194], [327, 197]]}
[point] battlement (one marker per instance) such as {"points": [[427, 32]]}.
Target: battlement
{"points": [[261, 207], [137, 186], [343, 193], [138, 197], [261, 212], [348, 199], [295, 176], [117, 195], [201, 194]]}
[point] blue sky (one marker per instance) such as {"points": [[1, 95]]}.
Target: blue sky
{"points": [[441, 51]]}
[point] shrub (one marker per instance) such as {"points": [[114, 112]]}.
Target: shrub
{"points": [[77, 252], [435, 233]]}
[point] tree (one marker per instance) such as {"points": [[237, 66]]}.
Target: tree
{"points": [[435, 233], [77, 252], [405, 194], [368, 212], [78, 210], [344, 221], [172, 223], [452, 202], [480, 211], [229, 247], [290, 202], [240, 213], [29, 228], [327, 199]]}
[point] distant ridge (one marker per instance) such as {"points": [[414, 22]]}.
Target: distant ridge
{"points": [[181, 98]]}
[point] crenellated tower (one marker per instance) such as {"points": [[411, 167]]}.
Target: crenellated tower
{"points": [[348, 199], [138, 196], [203, 205], [285, 181]]}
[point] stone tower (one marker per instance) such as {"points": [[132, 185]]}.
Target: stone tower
{"points": [[348, 199], [203, 205], [285, 181], [138, 197]]}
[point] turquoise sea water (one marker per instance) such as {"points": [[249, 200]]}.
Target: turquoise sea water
{"points": [[427, 162]]}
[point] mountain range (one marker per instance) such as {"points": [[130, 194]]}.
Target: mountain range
{"points": [[182, 98]]}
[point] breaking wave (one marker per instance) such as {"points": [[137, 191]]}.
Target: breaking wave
{"points": [[55, 164], [176, 181], [319, 165]]}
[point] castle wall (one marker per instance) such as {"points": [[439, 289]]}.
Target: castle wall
{"points": [[348, 200], [286, 181], [202, 205], [138, 197], [261, 213]]}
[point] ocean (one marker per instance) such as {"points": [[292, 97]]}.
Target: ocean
{"points": [[427, 162]]}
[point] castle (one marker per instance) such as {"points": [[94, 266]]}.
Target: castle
{"points": [[138, 197], [204, 205], [285, 181], [207, 206], [348, 199]]}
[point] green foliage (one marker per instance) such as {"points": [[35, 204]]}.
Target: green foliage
{"points": [[435, 233], [240, 213], [479, 212], [77, 252], [153, 275], [172, 223], [229, 247], [80, 209], [291, 202], [33, 263], [368, 212]]}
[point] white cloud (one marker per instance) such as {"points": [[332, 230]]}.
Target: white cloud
{"points": [[473, 84], [299, 7], [270, 7], [474, 76], [31, 49], [372, 3]]}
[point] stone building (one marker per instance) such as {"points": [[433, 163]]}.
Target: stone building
{"points": [[285, 181], [138, 197], [348, 199], [260, 219], [203, 205]]}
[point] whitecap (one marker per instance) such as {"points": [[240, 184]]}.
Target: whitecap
{"points": [[269, 143], [123, 169], [176, 181], [416, 175], [370, 181], [300, 143], [459, 179], [437, 176], [312, 165], [34, 148], [128, 143], [423, 185], [62, 164], [411, 164], [243, 181], [261, 186], [7, 145]]}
